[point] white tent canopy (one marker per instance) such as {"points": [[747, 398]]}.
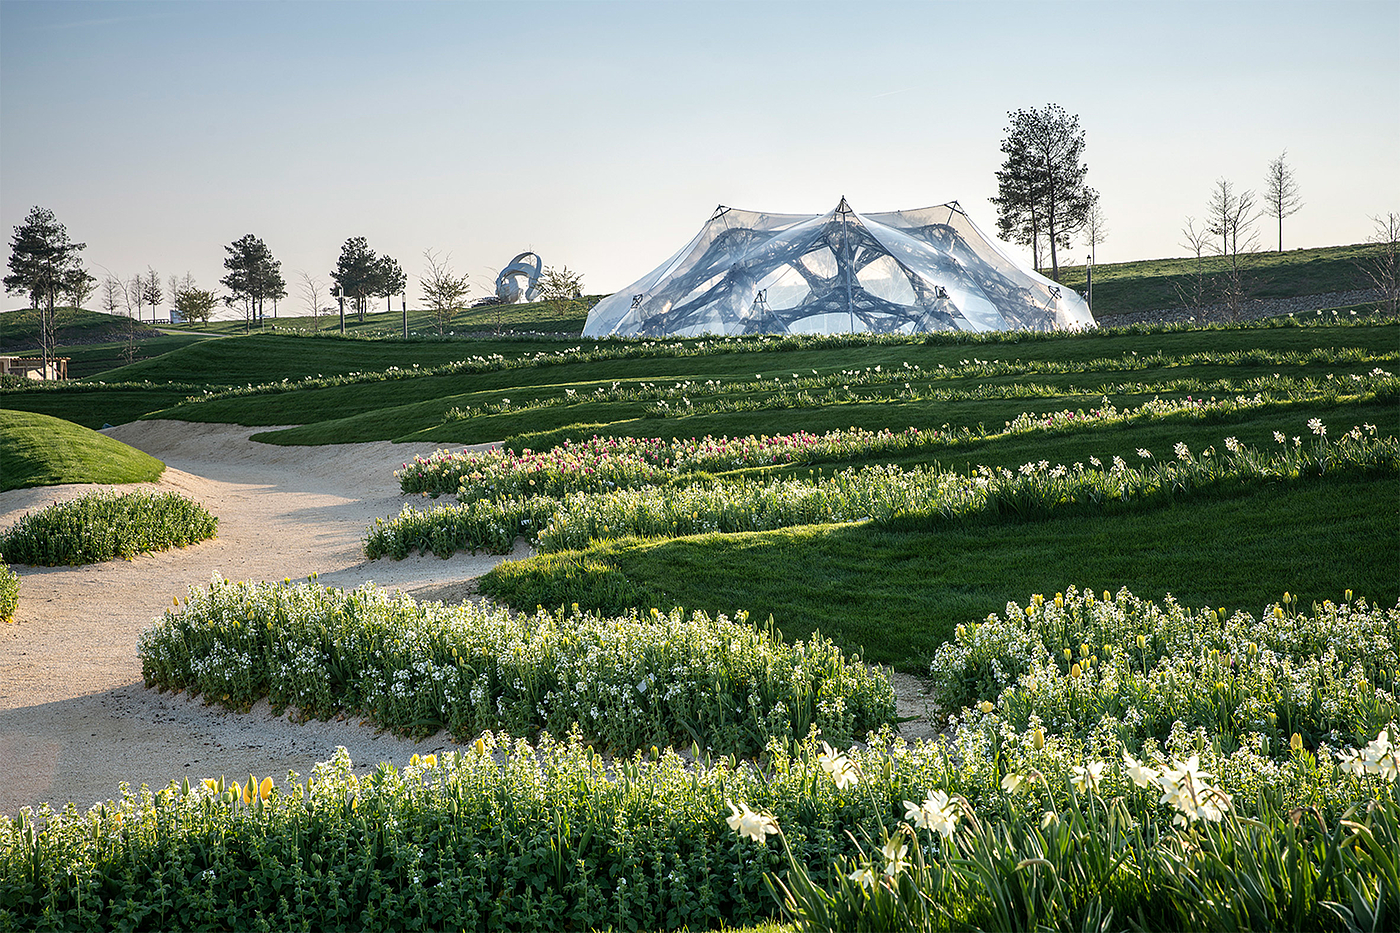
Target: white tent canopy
{"points": [[841, 272]]}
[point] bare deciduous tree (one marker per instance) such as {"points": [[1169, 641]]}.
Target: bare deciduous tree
{"points": [[1383, 266], [111, 294], [1232, 219], [443, 291], [135, 295], [1192, 294], [310, 291], [1281, 193], [560, 289], [1095, 228]]}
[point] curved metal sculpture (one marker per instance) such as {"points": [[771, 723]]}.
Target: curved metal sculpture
{"points": [[519, 281]]}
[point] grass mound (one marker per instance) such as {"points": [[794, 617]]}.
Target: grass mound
{"points": [[37, 450], [103, 526]]}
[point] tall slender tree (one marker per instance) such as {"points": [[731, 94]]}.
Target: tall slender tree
{"points": [[44, 264], [1041, 187], [1281, 193], [152, 292]]}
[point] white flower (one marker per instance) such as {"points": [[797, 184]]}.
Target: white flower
{"points": [[755, 826], [1087, 777], [1013, 782], [1144, 453], [1182, 451], [937, 813], [894, 852], [1317, 427], [1232, 444], [1142, 776], [863, 877], [839, 767], [1380, 757], [1278, 436]]}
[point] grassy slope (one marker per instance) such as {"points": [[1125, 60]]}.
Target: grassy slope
{"points": [[1149, 285], [529, 317], [165, 380], [412, 410], [19, 330], [36, 450], [898, 596]]}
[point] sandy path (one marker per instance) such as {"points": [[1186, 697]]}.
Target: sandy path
{"points": [[75, 718]]}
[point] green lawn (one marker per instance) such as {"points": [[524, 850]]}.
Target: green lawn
{"points": [[1149, 285], [897, 596], [36, 450]]}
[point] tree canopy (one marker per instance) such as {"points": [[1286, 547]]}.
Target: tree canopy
{"points": [[253, 276], [357, 272], [44, 264], [1040, 187]]}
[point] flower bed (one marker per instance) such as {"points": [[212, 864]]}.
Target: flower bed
{"points": [[996, 826], [103, 526], [923, 497], [626, 683]]}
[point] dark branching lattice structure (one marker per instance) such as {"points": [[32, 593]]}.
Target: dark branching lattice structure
{"points": [[840, 272]]}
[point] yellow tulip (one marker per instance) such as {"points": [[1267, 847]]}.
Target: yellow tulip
{"points": [[265, 788], [1074, 670], [1296, 742]]}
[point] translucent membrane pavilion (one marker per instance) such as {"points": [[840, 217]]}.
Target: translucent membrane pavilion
{"points": [[905, 272]]}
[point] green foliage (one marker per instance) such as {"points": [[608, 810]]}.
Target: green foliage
{"points": [[103, 526], [9, 592], [36, 450], [625, 682], [195, 304]]}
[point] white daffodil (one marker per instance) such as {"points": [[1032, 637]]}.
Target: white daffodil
{"points": [[937, 813], [839, 767], [1380, 757], [1142, 775], [863, 877], [747, 823], [1087, 777], [1013, 782], [894, 852]]}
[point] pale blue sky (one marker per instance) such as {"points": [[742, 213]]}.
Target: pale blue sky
{"points": [[602, 135]]}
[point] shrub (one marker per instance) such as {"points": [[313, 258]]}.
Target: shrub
{"points": [[625, 682], [102, 526], [9, 592]]}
